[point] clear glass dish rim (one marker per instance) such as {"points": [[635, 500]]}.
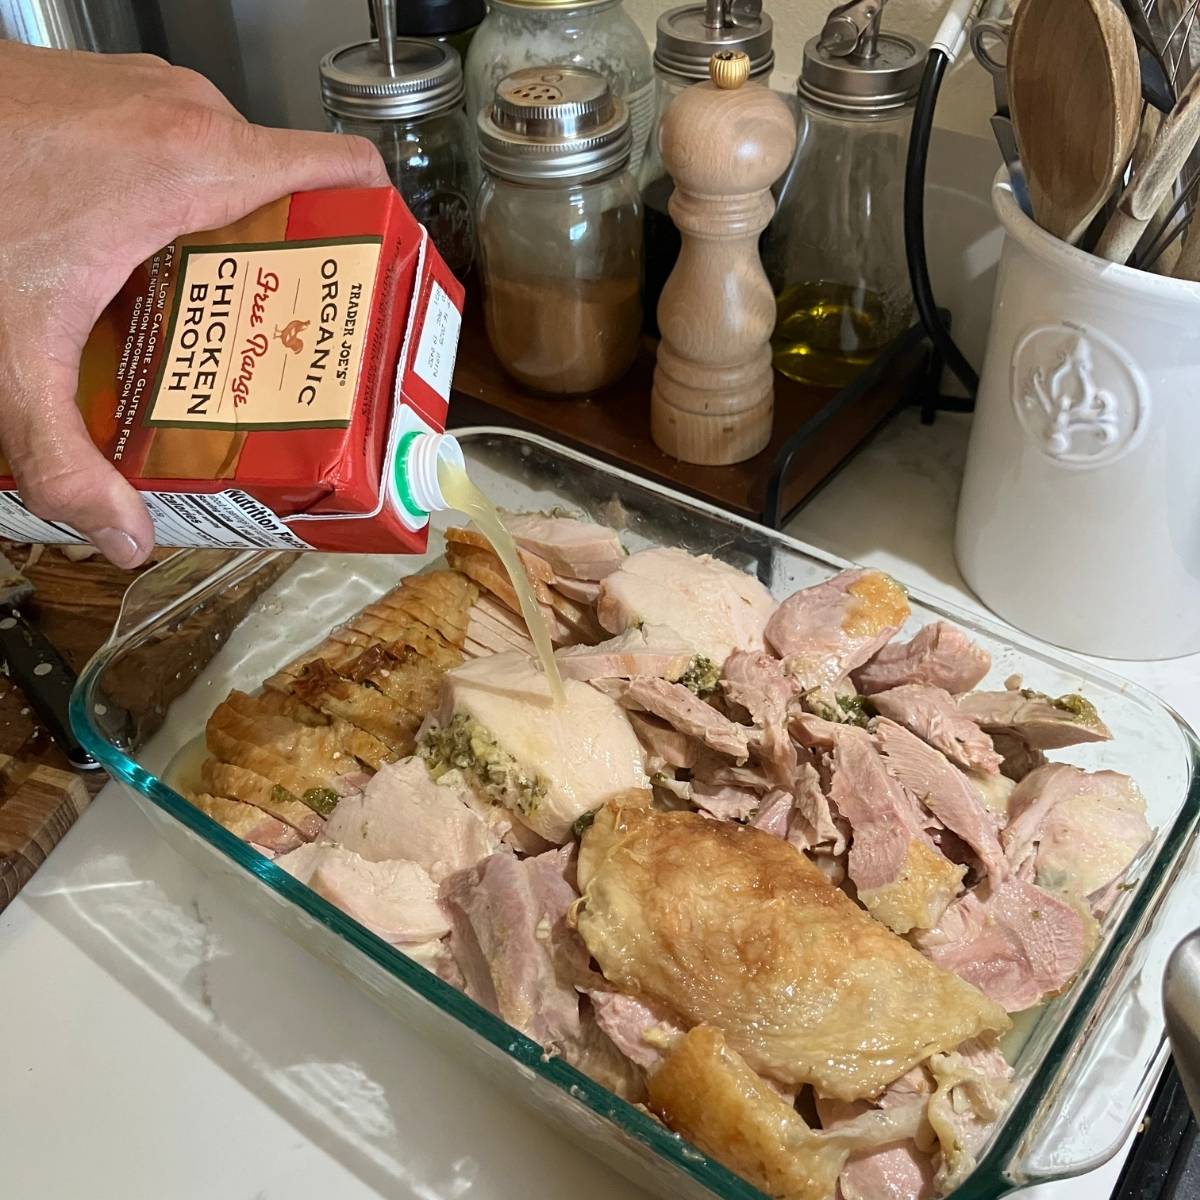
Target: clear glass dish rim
{"points": [[991, 1176]]}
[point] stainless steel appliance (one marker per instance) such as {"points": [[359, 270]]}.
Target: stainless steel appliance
{"points": [[114, 25], [262, 54]]}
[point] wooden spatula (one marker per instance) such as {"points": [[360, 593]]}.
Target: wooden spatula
{"points": [[1074, 87], [1154, 176]]}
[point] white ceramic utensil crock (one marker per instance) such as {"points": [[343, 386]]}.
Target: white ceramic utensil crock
{"points": [[1079, 519]]}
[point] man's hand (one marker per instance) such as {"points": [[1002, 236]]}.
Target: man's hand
{"points": [[106, 159]]}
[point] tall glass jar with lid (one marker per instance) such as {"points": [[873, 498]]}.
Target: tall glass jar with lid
{"points": [[560, 231], [686, 38], [413, 111], [453, 21], [834, 251], [598, 34]]}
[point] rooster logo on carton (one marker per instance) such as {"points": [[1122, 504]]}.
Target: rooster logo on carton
{"points": [[289, 335]]}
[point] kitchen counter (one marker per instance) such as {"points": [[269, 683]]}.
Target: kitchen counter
{"points": [[157, 1040]]}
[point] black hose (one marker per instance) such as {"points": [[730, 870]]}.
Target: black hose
{"points": [[914, 223]]}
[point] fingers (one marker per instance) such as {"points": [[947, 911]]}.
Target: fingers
{"points": [[141, 62], [62, 476], [242, 167], [301, 161]]}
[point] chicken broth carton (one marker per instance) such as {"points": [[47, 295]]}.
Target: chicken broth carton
{"points": [[278, 383]]}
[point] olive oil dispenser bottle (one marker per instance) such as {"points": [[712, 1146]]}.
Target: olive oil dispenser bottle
{"points": [[835, 250]]}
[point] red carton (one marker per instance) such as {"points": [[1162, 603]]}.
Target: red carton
{"points": [[253, 382]]}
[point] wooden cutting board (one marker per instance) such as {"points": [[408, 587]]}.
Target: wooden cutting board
{"points": [[40, 795], [40, 804], [76, 605]]}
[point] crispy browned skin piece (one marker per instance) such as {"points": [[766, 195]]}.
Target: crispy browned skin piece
{"points": [[404, 610], [294, 756], [439, 600], [489, 572], [705, 1091], [240, 783], [538, 569], [249, 823], [568, 621], [383, 626], [286, 705], [277, 732], [426, 615], [728, 926], [409, 680], [454, 591], [341, 645], [356, 700], [364, 707]]}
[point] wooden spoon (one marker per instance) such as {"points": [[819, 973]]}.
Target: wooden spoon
{"points": [[1074, 87]]}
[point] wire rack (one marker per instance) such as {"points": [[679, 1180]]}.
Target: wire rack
{"points": [[1176, 33], [1174, 27]]}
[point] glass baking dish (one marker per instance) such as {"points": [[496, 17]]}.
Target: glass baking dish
{"points": [[1083, 1063]]}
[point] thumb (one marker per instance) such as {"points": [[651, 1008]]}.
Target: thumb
{"points": [[61, 475]]}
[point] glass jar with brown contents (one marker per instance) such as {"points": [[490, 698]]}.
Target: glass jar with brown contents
{"points": [[560, 231]]}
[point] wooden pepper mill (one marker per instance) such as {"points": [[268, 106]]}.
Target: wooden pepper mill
{"points": [[724, 145]]}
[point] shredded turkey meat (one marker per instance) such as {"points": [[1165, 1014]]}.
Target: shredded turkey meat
{"points": [[825, 631], [767, 872]]}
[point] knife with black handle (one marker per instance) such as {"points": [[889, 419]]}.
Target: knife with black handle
{"points": [[36, 667]]}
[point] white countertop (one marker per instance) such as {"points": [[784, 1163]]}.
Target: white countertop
{"points": [[158, 1041]]}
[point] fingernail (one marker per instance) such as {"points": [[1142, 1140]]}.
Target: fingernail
{"points": [[117, 546]]}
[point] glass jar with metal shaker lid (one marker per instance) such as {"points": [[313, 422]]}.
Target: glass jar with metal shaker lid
{"points": [[834, 251], [560, 231], [686, 39], [598, 34], [411, 107]]}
